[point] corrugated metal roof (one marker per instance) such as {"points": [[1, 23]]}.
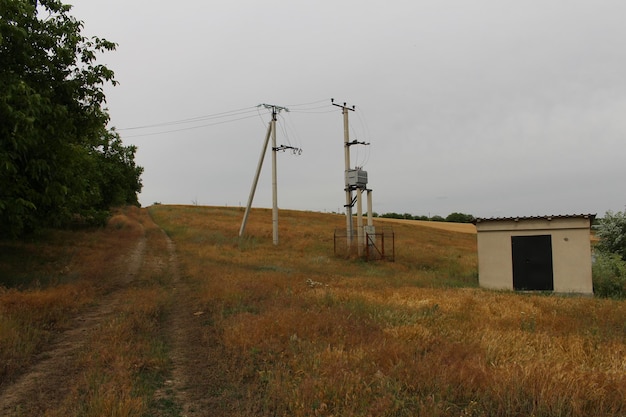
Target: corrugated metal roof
{"points": [[547, 217]]}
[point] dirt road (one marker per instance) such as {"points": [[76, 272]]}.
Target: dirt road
{"points": [[193, 351]]}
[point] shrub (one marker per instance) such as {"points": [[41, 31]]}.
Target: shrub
{"points": [[609, 275], [612, 233]]}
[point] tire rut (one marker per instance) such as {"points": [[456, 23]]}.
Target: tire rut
{"points": [[31, 391], [184, 331], [196, 376], [197, 379]]}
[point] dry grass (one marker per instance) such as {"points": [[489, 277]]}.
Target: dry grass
{"points": [[453, 227], [118, 361], [49, 280], [304, 333], [122, 362], [311, 334]]}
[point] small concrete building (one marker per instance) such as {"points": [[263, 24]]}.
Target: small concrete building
{"points": [[542, 253]]}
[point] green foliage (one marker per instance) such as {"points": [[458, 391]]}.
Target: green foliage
{"points": [[57, 158], [609, 275], [460, 218], [453, 218], [612, 233], [392, 216]]}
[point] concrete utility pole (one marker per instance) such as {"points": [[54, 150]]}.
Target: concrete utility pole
{"points": [[355, 180], [271, 131], [348, 189], [275, 110], [255, 181]]}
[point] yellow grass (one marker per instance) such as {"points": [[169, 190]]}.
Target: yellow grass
{"points": [[413, 337], [119, 361], [304, 333]]}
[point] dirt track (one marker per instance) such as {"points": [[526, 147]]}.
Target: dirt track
{"points": [[193, 351]]}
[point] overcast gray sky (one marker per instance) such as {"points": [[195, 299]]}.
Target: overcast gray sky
{"points": [[487, 107]]}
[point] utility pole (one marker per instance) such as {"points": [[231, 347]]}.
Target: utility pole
{"points": [[275, 111], [255, 181], [348, 188], [271, 131], [355, 180]]}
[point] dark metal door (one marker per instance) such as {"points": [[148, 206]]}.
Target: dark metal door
{"points": [[532, 263]]}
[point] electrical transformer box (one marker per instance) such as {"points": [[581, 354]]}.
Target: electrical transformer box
{"points": [[356, 178]]}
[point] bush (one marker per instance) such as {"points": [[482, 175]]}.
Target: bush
{"points": [[612, 233], [609, 275]]}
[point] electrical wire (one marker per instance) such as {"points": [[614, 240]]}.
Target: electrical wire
{"points": [[306, 107], [263, 121], [230, 116], [213, 116], [306, 104], [360, 133], [314, 112], [286, 127], [190, 128]]}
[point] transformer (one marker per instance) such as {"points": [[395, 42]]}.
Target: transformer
{"points": [[356, 178]]}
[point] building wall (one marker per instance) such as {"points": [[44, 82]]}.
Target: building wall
{"points": [[571, 251]]}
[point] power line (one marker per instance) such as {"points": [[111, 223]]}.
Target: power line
{"points": [[308, 104], [306, 107], [229, 113], [287, 127], [230, 116], [311, 111], [190, 128]]}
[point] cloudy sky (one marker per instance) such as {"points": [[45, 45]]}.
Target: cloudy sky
{"points": [[487, 107]]}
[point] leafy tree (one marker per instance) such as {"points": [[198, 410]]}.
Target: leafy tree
{"points": [[57, 158], [460, 218], [612, 233]]}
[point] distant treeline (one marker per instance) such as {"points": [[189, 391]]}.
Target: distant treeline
{"points": [[452, 218]]}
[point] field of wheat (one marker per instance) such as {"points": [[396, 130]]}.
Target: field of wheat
{"points": [[310, 334]]}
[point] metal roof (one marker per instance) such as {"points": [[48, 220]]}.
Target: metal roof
{"points": [[547, 217]]}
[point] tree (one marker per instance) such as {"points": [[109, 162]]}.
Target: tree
{"points": [[612, 233], [460, 218], [56, 154]]}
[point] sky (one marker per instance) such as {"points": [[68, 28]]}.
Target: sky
{"points": [[494, 108]]}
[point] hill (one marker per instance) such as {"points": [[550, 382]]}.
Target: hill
{"points": [[196, 321], [453, 227]]}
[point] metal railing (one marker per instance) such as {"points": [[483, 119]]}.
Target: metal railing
{"points": [[379, 245]]}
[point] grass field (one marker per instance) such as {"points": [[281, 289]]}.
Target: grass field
{"points": [[304, 333], [413, 337], [80, 323], [453, 227]]}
